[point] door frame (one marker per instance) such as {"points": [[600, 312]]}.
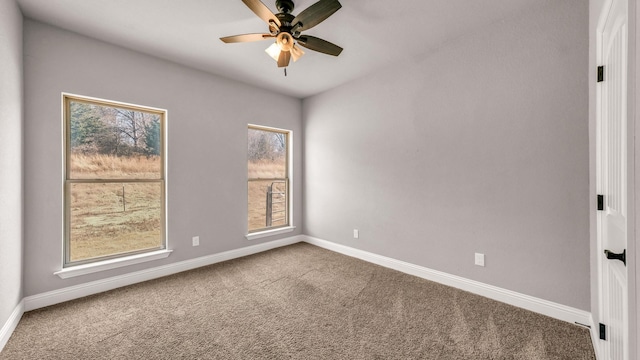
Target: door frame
{"points": [[601, 262], [633, 131], [633, 166]]}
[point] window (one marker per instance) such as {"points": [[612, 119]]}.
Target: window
{"points": [[114, 191], [268, 174]]}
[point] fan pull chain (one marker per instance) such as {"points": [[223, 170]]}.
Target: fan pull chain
{"points": [[285, 71]]}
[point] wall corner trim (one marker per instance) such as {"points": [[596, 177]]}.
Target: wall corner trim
{"points": [[10, 325], [74, 292], [527, 302]]}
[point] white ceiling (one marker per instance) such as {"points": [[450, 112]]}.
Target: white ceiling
{"points": [[373, 33]]}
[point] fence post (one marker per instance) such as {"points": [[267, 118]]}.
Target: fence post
{"points": [[269, 204]]}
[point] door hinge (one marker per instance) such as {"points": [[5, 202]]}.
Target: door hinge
{"points": [[600, 73], [603, 331], [613, 256], [600, 202]]}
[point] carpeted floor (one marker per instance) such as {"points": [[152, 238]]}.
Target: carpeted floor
{"points": [[296, 302]]}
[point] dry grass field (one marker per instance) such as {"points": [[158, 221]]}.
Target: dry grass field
{"points": [[97, 166], [112, 218], [267, 169], [257, 190]]}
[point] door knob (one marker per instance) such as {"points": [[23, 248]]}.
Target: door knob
{"points": [[613, 256]]}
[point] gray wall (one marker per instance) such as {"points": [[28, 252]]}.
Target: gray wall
{"points": [[10, 158], [207, 139], [481, 146]]}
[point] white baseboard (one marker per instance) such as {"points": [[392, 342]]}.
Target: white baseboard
{"points": [[75, 292], [544, 307], [10, 325]]}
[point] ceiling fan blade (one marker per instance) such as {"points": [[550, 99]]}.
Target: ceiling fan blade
{"points": [[317, 44], [245, 38], [263, 12], [315, 14], [296, 53], [283, 60]]}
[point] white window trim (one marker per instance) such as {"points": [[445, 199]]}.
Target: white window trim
{"points": [[78, 270], [270, 232]]}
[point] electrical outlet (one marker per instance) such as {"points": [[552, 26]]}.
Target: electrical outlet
{"points": [[356, 233], [479, 259], [195, 241]]}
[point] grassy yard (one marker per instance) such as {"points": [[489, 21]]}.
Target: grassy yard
{"points": [[112, 218]]}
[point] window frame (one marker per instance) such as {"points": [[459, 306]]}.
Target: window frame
{"points": [[67, 263], [273, 230]]}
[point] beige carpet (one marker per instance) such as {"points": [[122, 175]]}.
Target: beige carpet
{"points": [[296, 302]]}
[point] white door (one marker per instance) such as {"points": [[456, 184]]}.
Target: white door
{"points": [[612, 178]]}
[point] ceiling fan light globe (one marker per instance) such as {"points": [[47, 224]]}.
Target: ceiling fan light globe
{"points": [[273, 51]]}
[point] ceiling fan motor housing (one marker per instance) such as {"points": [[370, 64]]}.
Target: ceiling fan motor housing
{"points": [[286, 21]]}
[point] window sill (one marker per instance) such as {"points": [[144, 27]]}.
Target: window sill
{"points": [[111, 264], [261, 234]]}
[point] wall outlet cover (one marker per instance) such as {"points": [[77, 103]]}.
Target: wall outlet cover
{"points": [[195, 241], [479, 259]]}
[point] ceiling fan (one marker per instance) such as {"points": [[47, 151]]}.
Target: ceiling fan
{"points": [[286, 29]]}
